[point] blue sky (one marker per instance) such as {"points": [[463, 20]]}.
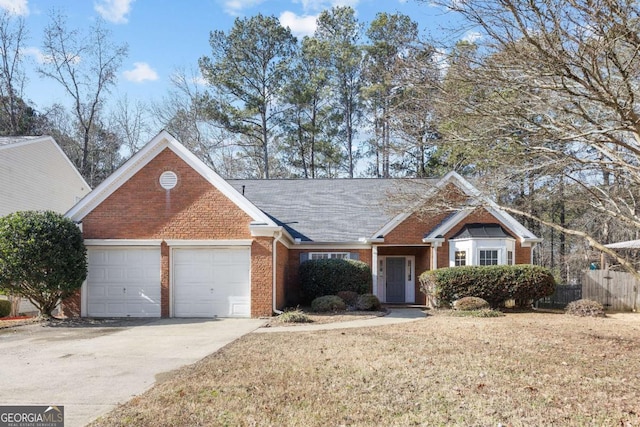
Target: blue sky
{"points": [[165, 35]]}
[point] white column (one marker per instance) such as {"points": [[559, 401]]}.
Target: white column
{"points": [[374, 270], [434, 255]]}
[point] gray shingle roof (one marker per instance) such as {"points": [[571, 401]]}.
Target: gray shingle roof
{"points": [[327, 210], [479, 231]]}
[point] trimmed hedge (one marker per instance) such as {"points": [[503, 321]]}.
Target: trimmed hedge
{"points": [[5, 308], [328, 303], [320, 277], [495, 284], [368, 302]]}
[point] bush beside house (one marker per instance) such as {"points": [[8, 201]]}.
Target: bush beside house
{"points": [[321, 277], [495, 284], [42, 257]]}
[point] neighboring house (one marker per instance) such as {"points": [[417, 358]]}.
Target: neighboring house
{"points": [[35, 174], [168, 237]]}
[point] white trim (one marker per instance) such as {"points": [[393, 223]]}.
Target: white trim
{"points": [[122, 242], [208, 243], [163, 140], [83, 295], [447, 225], [339, 247], [374, 272], [410, 279], [389, 226], [346, 255]]}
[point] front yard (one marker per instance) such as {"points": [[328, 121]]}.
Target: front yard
{"points": [[520, 370]]}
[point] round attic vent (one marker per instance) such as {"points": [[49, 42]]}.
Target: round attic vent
{"points": [[168, 180]]}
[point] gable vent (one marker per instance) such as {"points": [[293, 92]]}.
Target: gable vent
{"points": [[168, 180]]}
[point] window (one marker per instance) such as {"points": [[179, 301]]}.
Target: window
{"points": [[461, 258], [509, 257], [328, 255], [489, 257]]}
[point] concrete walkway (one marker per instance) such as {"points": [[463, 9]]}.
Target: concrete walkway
{"points": [[396, 315], [90, 370]]}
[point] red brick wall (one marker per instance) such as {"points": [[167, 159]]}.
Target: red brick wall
{"points": [[282, 269], [141, 209], [412, 230], [261, 277]]}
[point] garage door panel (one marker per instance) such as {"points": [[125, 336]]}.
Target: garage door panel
{"points": [[123, 282], [210, 282]]}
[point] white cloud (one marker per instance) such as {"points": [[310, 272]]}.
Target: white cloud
{"points": [[472, 36], [115, 11], [235, 7], [300, 25], [320, 5], [15, 7], [36, 53], [141, 72]]}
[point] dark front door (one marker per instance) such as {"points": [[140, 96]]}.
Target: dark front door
{"points": [[395, 279]]}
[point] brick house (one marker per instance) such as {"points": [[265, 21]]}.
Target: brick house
{"points": [[168, 237]]}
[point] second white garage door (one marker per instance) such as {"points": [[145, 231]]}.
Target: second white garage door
{"points": [[210, 282]]}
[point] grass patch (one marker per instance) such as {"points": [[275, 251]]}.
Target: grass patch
{"points": [[521, 369], [483, 312], [294, 316]]}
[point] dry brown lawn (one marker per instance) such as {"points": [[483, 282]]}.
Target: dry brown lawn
{"points": [[523, 369]]}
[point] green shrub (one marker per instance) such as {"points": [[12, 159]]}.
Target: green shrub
{"points": [[294, 316], [495, 283], [320, 277], [585, 308], [42, 257], [5, 308], [349, 297], [328, 303], [368, 302], [470, 303]]}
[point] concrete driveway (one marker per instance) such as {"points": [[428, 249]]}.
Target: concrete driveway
{"points": [[91, 367]]}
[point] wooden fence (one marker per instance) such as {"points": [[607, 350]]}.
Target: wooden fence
{"points": [[615, 290], [563, 295]]}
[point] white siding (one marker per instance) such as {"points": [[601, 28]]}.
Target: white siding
{"points": [[36, 175]]}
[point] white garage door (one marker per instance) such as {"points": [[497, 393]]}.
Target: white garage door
{"points": [[123, 282], [209, 282]]}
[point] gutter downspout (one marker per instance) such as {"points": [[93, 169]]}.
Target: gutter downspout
{"points": [[276, 239]]}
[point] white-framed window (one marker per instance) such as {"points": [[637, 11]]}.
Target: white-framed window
{"points": [[328, 255], [488, 257], [460, 258], [509, 257]]}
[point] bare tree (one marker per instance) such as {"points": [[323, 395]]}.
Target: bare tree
{"points": [[129, 121], [553, 95], [183, 112], [12, 75], [85, 65]]}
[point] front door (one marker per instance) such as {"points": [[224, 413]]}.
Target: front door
{"points": [[396, 279]]}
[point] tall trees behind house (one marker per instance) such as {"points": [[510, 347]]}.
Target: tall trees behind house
{"points": [[247, 70], [392, 38], [85, 65], [342, 32], [16, 116]]}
